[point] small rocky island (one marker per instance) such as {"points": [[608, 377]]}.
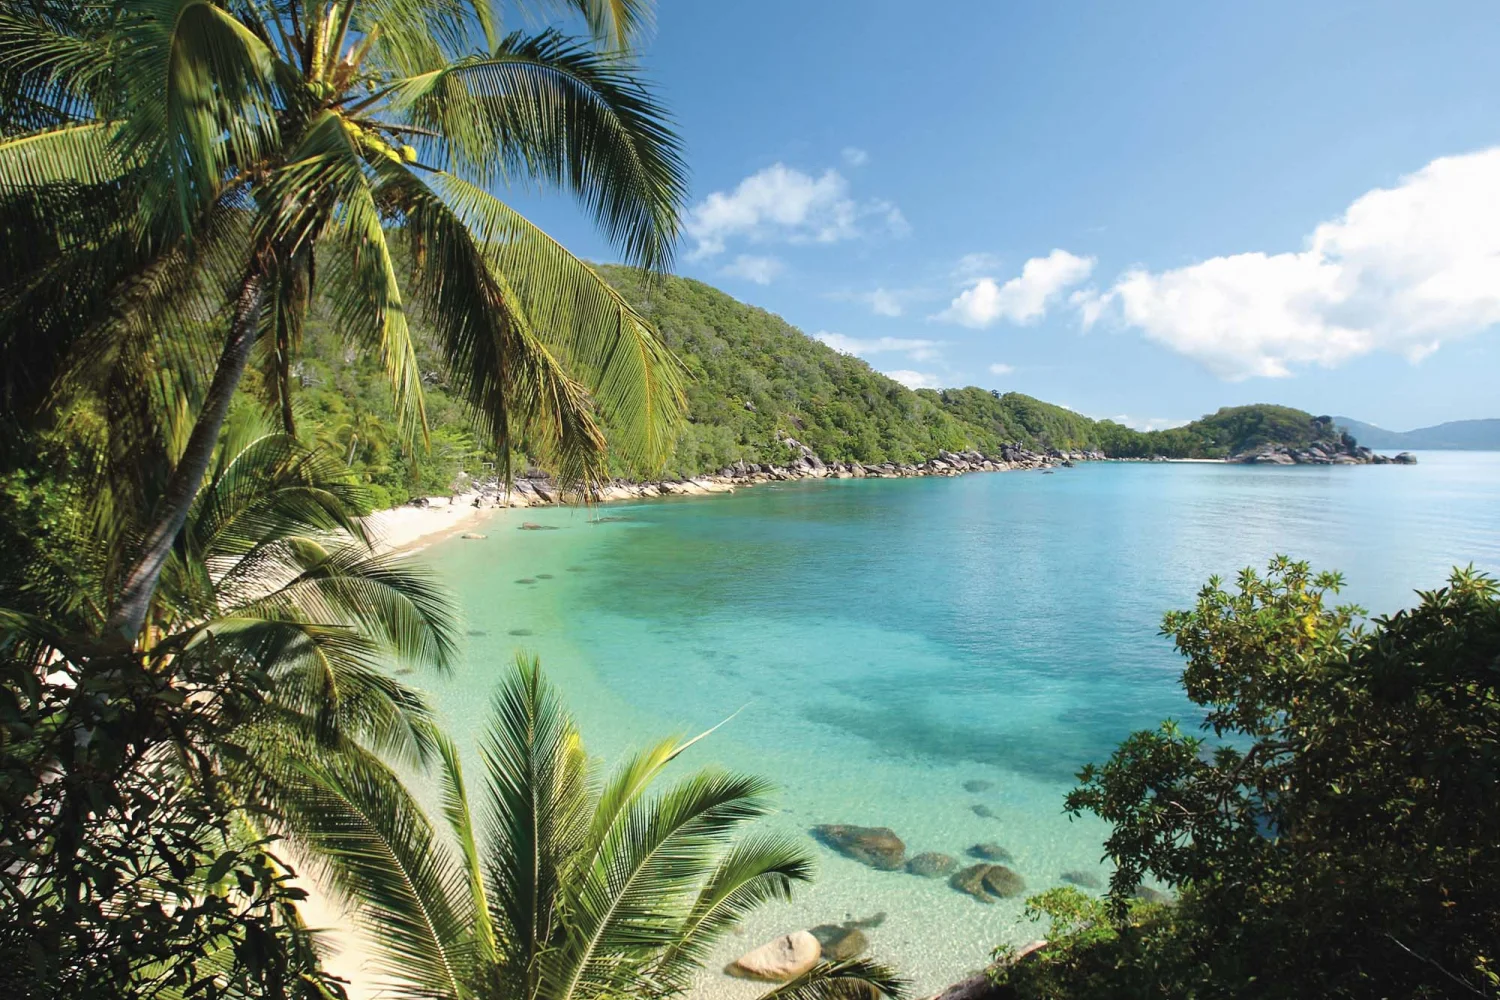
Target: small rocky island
{"points": [[1344, 451]]}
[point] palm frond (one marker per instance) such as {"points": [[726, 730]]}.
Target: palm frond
{"points": [[857, 979], [216, 82], [520, 393], [632, 376], [757, 870], [535, 812], [626, 906], [548, 108], [371, 842], [461, 822]]}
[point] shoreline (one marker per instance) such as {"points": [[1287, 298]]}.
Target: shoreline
{"points": [[422, 522], [426, 520]]}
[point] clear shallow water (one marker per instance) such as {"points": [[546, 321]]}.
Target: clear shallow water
{"points": [[885, 641]]}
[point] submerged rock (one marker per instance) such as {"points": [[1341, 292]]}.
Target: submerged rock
{"points": [[1003, 882], [544, 576], [932, 865], [1146, 894], [533, 526], [526, 579], [785, 958], [976, 786], [476, 632], [867, 923], [990, 852], [1084, 880], [840, 942], [876, 846], [983, 811], [984, 881], [520, 631], [971, 881]]}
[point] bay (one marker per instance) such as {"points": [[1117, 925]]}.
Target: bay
{"points": [[877, 644]]}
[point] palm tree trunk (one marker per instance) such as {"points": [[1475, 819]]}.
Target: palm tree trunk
{"points": [[129, 614]]}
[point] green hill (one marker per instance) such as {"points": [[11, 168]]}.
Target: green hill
{"points": [[754, 380], [846, 411]]}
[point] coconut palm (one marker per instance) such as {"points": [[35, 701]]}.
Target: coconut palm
{"points": [[180, 178], [567, 885], [268, 636], [273, 577]]}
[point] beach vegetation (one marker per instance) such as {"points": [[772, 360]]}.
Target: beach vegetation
{"points": [[1330, 831]]}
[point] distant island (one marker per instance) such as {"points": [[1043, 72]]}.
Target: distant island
{"points": [[1456, 435]]}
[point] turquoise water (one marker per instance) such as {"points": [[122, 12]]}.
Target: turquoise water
{"points": [[884, 641]]}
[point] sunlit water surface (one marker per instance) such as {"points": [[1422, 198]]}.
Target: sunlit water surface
{"points": [[884, 642]]}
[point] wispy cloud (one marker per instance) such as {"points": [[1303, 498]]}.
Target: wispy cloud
{"points": [[782, 204], [1405, 269], [1000, 368], [915, 380], [1022, 299], [917, 350], [1148, 423], [761, 270], [854, 156]]}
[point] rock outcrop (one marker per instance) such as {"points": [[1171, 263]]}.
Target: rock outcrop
{"points": [[1340, 452]]}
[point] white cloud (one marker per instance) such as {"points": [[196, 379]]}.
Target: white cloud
{"points": [[1022, 299], [1404, 269], [1000, 368], [761, 270], [917, 350], [854, 156], [1148, 423], [915, 380], [781, 203], [883, 303], [976, 265]]}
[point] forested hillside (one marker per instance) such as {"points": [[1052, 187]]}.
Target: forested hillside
{"points": [[754, 379]]}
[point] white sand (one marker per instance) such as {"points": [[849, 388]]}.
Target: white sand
{"points": [[408, 527]]}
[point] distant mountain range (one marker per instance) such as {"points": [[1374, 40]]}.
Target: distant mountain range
{"points": [[1456, 435]]}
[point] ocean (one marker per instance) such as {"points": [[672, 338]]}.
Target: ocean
{"points": [[879, 644]]}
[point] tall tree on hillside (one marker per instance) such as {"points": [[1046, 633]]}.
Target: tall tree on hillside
{"points": [[179, 178]]}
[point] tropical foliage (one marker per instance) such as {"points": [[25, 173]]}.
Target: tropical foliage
{"points": [[138, 784], [177, 176], [560, 882], [1332, 836], [753, 379]]}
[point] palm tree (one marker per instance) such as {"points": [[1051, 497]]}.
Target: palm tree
{"points": [[570, 886], [172, 168], [268, 636]]}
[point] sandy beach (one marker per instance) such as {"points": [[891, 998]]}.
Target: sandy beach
{"points": [[409, 527]]}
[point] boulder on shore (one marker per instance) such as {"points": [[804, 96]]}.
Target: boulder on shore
{"points": [[876, 846], [785, 958]]}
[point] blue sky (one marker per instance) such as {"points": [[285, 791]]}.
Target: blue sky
{"points": [[1142, 211]]}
